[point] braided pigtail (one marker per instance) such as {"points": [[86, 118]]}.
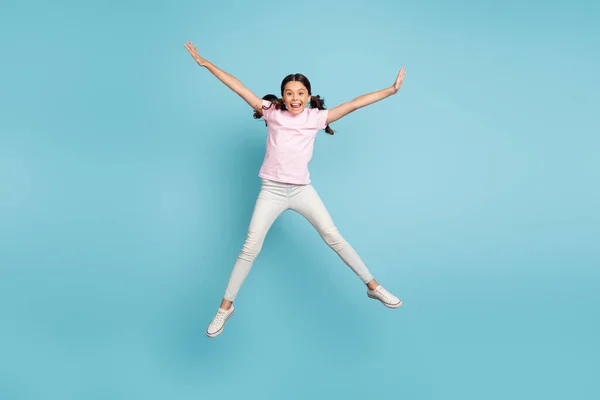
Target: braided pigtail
{"points": [[275, 102], [319, 103]]}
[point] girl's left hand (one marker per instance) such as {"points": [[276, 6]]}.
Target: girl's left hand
{"points": [[399, 80]]}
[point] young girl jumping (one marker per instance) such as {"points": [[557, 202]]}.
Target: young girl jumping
{"points": [[292, 123]]}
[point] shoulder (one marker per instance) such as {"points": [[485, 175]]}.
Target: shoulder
{"points": [[268, 109], [315, 112], [267, 105], [317, 117]]}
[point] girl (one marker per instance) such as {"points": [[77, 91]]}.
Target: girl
{"points": [[292, 127]]}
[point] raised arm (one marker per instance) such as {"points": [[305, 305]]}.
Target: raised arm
{"points": [[361, 101], [232, 82]]}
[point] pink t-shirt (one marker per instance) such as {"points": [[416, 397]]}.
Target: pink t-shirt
{"points": [[290, 143]]}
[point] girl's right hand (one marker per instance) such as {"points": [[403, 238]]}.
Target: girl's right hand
{"points": [[194, 53]]}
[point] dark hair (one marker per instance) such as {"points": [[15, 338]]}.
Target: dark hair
{"points": [[315, 101], [274, 100]]}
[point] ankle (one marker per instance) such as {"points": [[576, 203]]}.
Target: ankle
{"points": [[226, 304], [372, 284]]}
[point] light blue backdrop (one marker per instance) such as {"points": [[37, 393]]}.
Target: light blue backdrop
{"points": [[128, 176]]}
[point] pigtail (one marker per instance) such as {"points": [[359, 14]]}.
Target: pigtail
{"points": [[275, 102], [319, 103]]}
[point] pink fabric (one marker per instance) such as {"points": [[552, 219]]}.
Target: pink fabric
{"points": [[290, 143]]}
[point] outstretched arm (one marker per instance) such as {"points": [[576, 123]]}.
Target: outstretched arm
{"points": [[344, 109], [232, 82]]}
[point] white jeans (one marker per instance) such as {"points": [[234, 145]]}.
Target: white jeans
{"points": [[275, 198]]}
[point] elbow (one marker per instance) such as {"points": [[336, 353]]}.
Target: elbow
{"points": [[356, 104]]}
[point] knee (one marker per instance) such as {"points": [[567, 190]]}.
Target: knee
{"points": [[333, 238], [251, 247]]}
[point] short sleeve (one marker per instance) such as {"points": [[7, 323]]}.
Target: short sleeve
{"points": [[267, 110], [319, 118]]}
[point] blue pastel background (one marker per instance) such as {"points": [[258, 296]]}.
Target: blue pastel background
{"points": [[128, 176]]}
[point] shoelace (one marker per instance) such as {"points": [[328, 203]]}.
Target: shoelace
{"points": [[219, 318], [383, 293]]}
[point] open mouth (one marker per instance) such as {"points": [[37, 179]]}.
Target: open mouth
{"points": [[296, 105]]}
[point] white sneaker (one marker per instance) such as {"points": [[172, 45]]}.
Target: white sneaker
{"points": [[215, 328], [388, 299]]}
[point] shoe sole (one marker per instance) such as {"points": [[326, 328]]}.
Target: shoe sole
{"points": [[384, 303], [217, 333]]}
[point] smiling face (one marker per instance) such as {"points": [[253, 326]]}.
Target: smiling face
{"points": [[295, 96]]}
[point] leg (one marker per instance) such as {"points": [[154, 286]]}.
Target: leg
{"points": [[271, 202], [269, 206], [307, 202]]}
